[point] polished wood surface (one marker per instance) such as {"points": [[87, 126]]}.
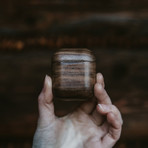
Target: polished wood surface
{"points": [[73, 73]]}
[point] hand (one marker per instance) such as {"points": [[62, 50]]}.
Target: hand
{"points": [[87, 127]]}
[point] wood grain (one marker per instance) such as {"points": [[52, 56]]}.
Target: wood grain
{"points": [[35, 24], [73, 74]]}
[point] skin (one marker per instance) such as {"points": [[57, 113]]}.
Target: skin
{"points": [[91, 125]]}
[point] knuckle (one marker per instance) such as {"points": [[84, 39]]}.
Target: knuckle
{"points": [[118, 125], [116, 135]]}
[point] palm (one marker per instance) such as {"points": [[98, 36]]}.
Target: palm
{"points": [[79, 126], [85, 129]]}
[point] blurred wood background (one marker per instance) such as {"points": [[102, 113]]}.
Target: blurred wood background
{"points": [[30, 31]]}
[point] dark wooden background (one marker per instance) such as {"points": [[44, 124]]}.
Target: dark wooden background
{"points": [[30, 31]]}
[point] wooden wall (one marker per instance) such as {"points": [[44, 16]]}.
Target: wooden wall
{"points": [[55, 24], [30, 31]]}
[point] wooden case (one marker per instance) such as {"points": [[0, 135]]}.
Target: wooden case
{"points": [[73, 74]]}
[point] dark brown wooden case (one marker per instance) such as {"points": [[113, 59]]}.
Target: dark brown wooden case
{"points": [[73, 74]]}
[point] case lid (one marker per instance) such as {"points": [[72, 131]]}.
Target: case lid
{"points": [[73, 54]]}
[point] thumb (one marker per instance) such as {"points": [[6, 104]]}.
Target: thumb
{"points": [[45, 103]]}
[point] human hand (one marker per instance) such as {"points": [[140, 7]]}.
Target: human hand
{"points": [[91, 125]]}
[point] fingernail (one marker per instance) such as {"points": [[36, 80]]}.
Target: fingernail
{"points": [[99, 85], [99, 75], [101, 107], [46, 82], [47, 79]]}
